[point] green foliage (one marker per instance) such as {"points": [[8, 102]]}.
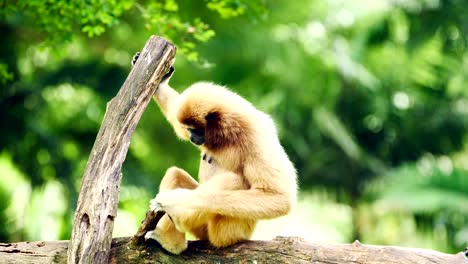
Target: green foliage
{"points": [[234, 8], [363, 92], [161, 20], [60, 20], [5, 199], [433, 191], [5, 75]]}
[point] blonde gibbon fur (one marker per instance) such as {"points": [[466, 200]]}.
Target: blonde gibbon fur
{"points": [[245, 174]]}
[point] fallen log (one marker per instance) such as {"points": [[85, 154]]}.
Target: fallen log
{"points": [[279, 250]]}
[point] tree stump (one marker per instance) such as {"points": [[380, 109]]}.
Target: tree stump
{"points": [[99, 195]]}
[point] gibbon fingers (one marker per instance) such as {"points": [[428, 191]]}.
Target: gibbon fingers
{"points": [[245, 175]]}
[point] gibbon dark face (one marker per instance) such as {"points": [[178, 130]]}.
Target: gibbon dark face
{"points": [[197, 136]]}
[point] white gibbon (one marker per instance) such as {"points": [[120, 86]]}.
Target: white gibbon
{"points": [[245, 175]]}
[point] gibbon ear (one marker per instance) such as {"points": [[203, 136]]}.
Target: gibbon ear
{"points": [[212, 118], [215, 134], [223, 129]]}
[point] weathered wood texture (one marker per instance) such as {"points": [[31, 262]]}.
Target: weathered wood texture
{"points": [[99, 195], [149, 223], [279, 250]]}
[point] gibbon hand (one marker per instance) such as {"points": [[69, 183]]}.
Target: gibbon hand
{"points": [[173, 202]]}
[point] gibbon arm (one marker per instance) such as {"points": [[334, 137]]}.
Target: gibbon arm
{"points": [[165, 95], [254, 203], [251, 204], [167, 99]]}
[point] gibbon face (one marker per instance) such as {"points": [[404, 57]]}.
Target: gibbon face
{"points": [[197, 135], [211, 127], [194, 122]]}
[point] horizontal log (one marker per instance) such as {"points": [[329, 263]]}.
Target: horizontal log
{"points": [[279, 250]]}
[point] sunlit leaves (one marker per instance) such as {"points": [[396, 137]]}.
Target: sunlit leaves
{"points": [[162, 20], [227, 8], [60, 20], [45, 221], [67, 103], [17, 188], [234, 8], [171, 5], [93, 31]]}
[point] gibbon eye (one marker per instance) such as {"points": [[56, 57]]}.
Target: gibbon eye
{"points": [[197, 135]]}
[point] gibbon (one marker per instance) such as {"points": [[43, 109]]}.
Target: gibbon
{"points": [[245, 175]]}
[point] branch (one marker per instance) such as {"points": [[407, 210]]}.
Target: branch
{"points": [[99, 195], [149, 223], [279, 250]]}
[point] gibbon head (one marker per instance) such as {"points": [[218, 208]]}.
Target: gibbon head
{"points": [[212, 118]]}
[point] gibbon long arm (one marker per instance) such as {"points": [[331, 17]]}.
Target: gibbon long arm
{"points": [[254, 203], [249, 204], [167, 99]]}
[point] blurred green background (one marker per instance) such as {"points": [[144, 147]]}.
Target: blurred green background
{"points": [[370, 98]]}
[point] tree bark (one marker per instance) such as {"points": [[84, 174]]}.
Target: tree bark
{"points": [[99, 195], [279, 250]]}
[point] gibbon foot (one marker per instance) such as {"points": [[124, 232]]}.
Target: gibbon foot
{"points": [[168, 237]]}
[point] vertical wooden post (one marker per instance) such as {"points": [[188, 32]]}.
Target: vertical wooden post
{"points": [[99, 195]]}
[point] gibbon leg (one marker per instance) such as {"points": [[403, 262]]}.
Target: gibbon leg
{"points": [[200, 232], [166, 233], [224, 231], [177, 178], [201, 222]]}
